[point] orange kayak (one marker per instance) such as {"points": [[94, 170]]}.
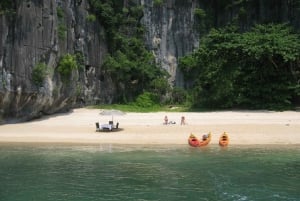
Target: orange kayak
{"points": [[195, 142], [224, 139]]}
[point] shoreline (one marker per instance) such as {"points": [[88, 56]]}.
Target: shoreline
{"points": [[78, 127]]}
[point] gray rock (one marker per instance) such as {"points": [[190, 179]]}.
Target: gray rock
{"points": [[31, 36], [170, 33]]}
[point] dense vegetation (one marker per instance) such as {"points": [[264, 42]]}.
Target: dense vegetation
{"points": [[233, 67], [248, 55], [255, 69], [131, 66]]}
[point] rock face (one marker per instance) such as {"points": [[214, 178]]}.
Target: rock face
{"points": [[43, 31], [170, 33], [37, 33]]}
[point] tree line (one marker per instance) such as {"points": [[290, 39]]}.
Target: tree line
{"points": [[257, 69]]}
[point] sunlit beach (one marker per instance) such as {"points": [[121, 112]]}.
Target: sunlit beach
{"points": [[78, 126]]}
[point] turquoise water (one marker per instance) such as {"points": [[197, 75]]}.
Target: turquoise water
{"points": [[113, 172]]}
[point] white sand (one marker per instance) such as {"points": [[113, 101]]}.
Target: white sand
{"points": [[78, 126]]}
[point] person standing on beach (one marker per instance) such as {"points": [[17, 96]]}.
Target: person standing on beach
{"points": [[182, 122], [166, 120]]}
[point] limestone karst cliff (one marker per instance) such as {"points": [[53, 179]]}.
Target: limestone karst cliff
{"points": [[41, 32], [37, 33]]}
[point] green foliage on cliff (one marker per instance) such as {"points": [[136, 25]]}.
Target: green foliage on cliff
{"points": [[62, 28], [4, 4], [7, 7], [134, 72], [62, 31], [158, 3], [67, 65], [91, 18], [39, 73], [60, 13], [129, 64], [200, 13], [257, 69]]}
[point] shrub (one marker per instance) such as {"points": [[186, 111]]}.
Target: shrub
{"points": [[66, 65], [158, 3], [146, 99], [79, 57], [62, 30], [179, 95], [160, 86], [60, 13], [91, 18], [39, 73], [200, 13]]}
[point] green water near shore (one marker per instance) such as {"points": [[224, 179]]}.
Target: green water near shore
{"points": [[140, 172]]}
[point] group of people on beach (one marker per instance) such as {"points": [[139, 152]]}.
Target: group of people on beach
{"points": [[166, 121]]}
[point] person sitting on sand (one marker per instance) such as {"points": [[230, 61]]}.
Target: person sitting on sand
{"points": [[182, 122]]}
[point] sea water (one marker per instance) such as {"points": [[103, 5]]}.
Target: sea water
{"points": [[141, 172]]}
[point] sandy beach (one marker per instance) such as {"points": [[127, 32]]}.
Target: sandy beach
{"points": [[78, 126]]}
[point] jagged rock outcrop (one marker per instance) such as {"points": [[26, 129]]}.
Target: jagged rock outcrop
{"points": [[35, 34], [170, 33]]}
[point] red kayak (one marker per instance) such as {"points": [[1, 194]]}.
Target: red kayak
{"points": [[195, 142]]}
